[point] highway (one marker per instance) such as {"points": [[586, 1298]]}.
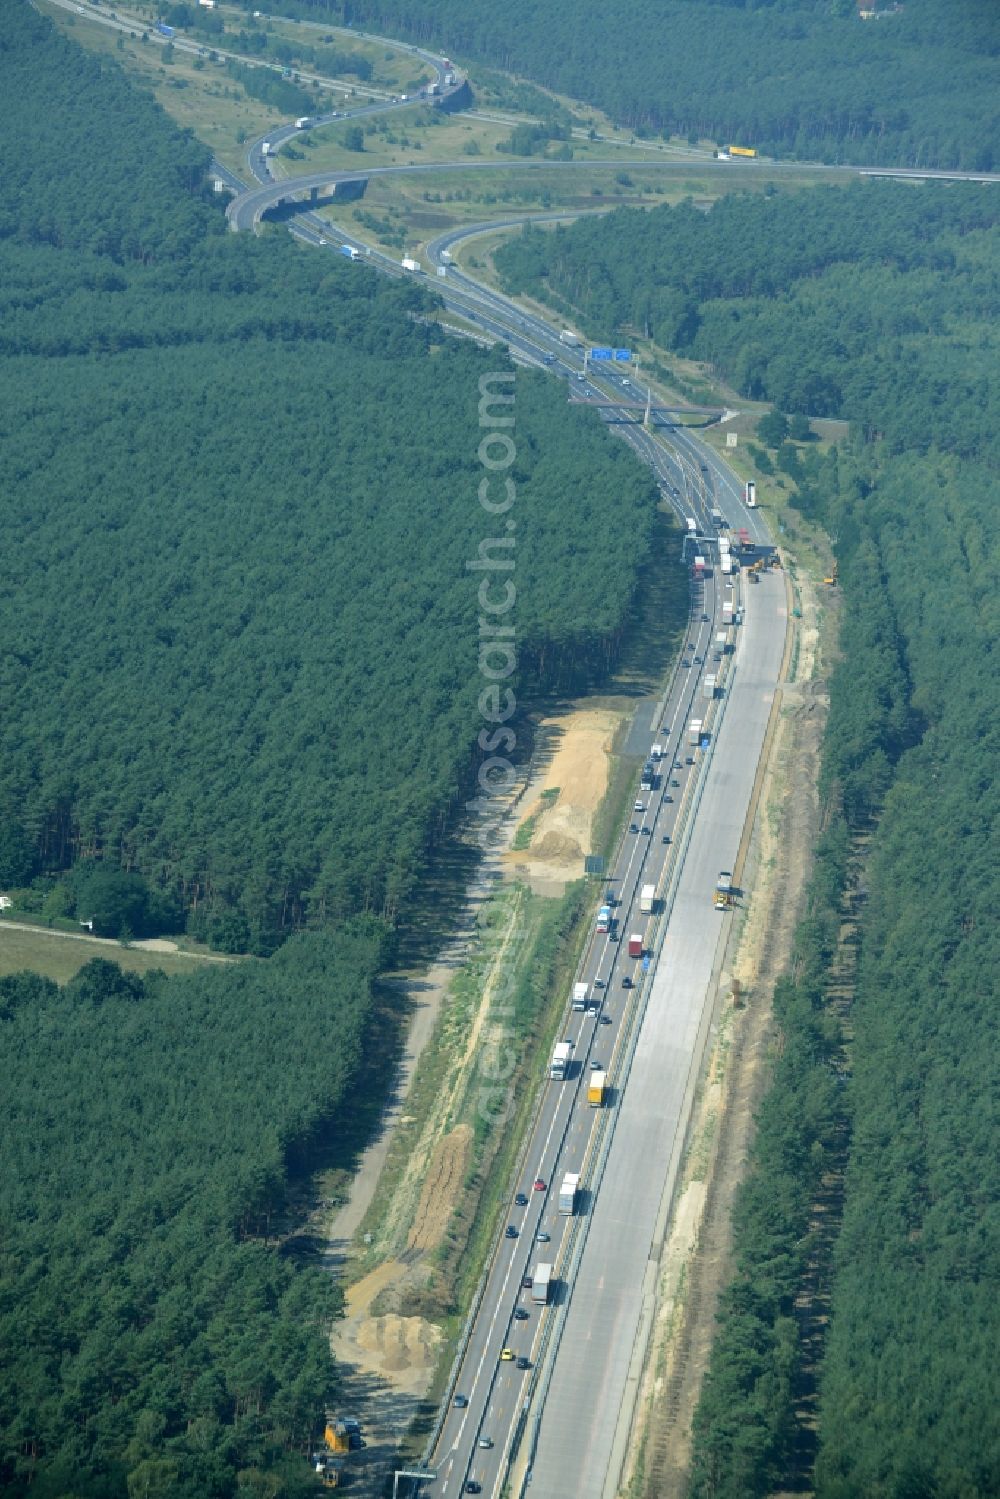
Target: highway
{"points": [[557, 1414], [584, 1352]]}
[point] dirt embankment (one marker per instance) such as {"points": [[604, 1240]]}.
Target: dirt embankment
{"points": [[387, 1358], [563, 798]]}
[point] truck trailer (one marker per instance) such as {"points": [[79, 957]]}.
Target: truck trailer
{"points": [[351, 252], [567, 1193], [559, 1068], [604, 919], [570, 338], [579, 996], [540, 1282], [694, 732], [595, 1089], [708, 686], [635, 945], [647, 900]]}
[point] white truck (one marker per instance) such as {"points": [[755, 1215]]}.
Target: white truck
{"points": [[708, 687], [692, 525], [540, 1283], [567, 1193], [559, 1068], [726, 565], [656, 753], [303, 122], [694, 732], [579, 996], [647, 900], [568, 337], [409, 264]]}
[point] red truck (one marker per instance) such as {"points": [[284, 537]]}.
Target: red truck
{"points": [[635, 946]]}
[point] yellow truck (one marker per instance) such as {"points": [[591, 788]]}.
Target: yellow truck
{"points": [[596, 1089]]}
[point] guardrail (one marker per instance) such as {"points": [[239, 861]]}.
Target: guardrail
{"points": [[600, 1146]]}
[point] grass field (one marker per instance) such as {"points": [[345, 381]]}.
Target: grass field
{"points": [[59, 957]]}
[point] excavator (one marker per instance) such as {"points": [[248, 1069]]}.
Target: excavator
{"points": [[831, 581]]}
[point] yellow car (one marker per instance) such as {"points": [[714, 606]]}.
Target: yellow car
{"points": [[506, 1355]]}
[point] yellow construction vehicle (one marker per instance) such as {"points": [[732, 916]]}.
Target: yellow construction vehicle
{"points": [[831, 581]]}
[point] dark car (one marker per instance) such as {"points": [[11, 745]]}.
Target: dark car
{"points": [[460, 1401], [524, 1363], [677, 765], [633, 827], [704, 619], [599, 984], [666, 838], [472, 1487], [520, 1200], [511, 1231], [526, 1282], [648, 832], [674, 781], [689, 760], [606, 1020], [626, 981], [520, 1315]]}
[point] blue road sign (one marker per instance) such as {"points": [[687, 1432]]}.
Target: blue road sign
{"points": [[601, 353], [622, 355]]}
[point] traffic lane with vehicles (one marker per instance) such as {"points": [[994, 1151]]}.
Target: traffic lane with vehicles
{"points": [[559, 1143], [613, 1283]]}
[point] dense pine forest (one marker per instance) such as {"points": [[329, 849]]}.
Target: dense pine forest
{"points": [[155, 1340], [241, 692], [802, 78], [240, 624], [877, 303]]}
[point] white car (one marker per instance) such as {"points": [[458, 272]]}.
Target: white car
{"points": [[639, 807]]}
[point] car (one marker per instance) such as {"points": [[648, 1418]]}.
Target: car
{"points": [[520, 1314], [460, 1402], [472, 1487], [511, 1231], [668, 798], [674, 781], [648, 832], [613, 935], [686, 665], [595, 1065], [506, 1356], [704, 619], [526, 1282], [570, 1042], [322, 241], [599, 984], [486, 1442], [542, 1237], [606, 1020], [665, 838], [520, 1200], [638, 806], [700, 660], [548, 359], [677, 765], [539, 1184], [689, 760], [626, 981], [523, 1363], [633, 827]]}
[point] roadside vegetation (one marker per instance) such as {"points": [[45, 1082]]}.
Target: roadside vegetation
{"points": [[798, 78], [881, 1108]]}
